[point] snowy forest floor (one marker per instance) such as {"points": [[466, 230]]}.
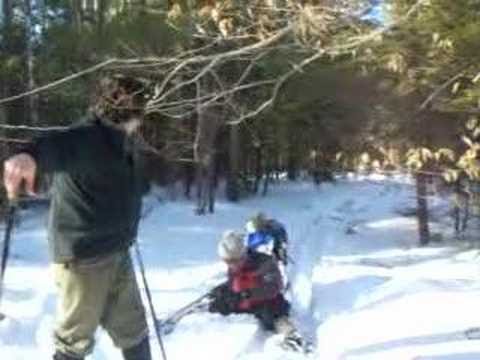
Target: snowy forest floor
{"points": [[362, 288]]}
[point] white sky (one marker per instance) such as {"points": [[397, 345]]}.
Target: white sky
{"points": [[361, 288]]}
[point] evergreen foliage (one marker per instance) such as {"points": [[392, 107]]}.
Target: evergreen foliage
{"points": [[361, 102]]}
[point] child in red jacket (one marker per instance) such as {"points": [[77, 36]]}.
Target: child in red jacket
{"points": [[254, 286]]}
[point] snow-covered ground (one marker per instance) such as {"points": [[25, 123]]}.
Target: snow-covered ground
{"points": [[361, 287]]}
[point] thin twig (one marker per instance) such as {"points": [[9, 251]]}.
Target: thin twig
{"points": [[442, 87], [211, 61], [59, 82], [11, 140], [32, 128]]}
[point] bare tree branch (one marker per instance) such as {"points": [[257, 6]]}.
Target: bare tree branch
{"points": [[59, 82], [181, 71], [32, 128], [442, 87], [13, 140], [211, 61]]}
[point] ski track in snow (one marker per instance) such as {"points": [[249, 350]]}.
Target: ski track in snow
{"points": [[355, 263]]}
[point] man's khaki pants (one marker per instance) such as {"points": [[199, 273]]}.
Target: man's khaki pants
{"points": [[101, 292]]}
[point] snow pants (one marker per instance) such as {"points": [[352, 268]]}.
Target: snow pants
{"points": [[272, 315], [101, 292]]}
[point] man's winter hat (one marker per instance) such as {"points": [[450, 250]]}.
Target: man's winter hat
{"points": [[232, 245], [117, 97], [256, 222]]}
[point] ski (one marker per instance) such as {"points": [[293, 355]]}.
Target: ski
{"points": [[167, 325], [472, 333]]}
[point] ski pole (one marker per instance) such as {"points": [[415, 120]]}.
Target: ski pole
{"points": [[10, 220], [150, 302]]}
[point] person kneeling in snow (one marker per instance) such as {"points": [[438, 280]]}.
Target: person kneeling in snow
{"points": [[254, 286], [268, 236]]}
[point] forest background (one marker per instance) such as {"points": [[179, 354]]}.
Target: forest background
{"points": [[244, 91]]}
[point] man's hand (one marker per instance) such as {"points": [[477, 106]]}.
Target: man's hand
{"points": [[16, 170]]}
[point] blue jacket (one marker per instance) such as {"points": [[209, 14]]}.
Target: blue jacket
{"points": [[274, 233]]}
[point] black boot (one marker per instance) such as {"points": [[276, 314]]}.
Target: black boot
{"points": [[295, 342], [138, 352], [61, 356]]}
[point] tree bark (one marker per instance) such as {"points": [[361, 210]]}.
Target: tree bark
{"points": [[208, 124], [232, 188], [5, 24], [292, 161], [77, 14], [422, 209], [266, 181], [101, 14], [33, 111], [7, 13], [461, 209], [188, 178], [259, 171], [89, 12]]}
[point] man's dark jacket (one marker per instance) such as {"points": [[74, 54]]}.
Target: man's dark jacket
{"points": [[96, 190]]}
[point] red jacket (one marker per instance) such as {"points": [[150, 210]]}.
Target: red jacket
{"points": [[261, 277]]}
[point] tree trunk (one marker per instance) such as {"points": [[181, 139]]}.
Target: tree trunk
{"points": [[205, 185], [89, 12], [3, 110], [315, 167], [292, 172], [77, 14], [6, 13], [188, 178], [208, 124], [211, 185], [292, 159], [267, 180], [259, 171], [461, 209], [201, 183], [268, 171], [422, 209], [101, 14], [5, 24], [232, 188], [33, 111]]}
